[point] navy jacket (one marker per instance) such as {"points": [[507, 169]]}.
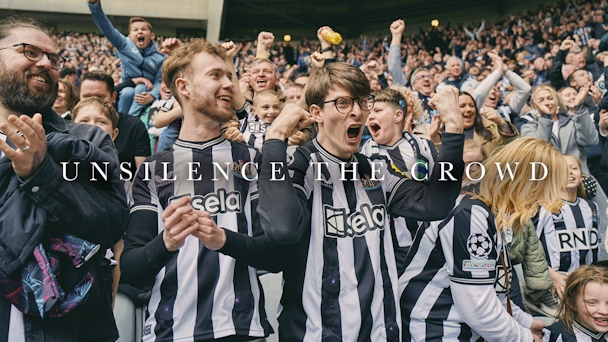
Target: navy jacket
{"points": [[47, 205]]}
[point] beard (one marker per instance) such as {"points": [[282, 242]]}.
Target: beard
{"points": [[208, 106], [17, 96]]}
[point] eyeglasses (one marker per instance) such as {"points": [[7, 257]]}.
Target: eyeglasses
{"points": [[34, 53], [419, 77], [345, 104]]}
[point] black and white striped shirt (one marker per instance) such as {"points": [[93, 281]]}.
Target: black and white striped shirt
{"points": [[451, 280], [341, 283], [558, 332], [584, 33], [410, 153], [571, 238], [253, 129], [197, 293]]}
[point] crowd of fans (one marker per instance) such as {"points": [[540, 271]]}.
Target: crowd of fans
{"points": [[540, 74]]}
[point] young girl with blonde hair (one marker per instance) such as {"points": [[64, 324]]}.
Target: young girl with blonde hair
{"points": [[458, 265]]}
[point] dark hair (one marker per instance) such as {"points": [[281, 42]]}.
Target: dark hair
{"points": [[571, 77], [72, 95], [485, 133], [101, 76], [10, 23], [341, 74], [67, 72]]}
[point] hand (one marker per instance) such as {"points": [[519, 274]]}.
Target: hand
{"points": [[605, 61], [434, 129], [537, 328], [603, 119], [31, 148], [397, 27], [492, 115], [169, 45], [212, 236], [245, 82], [321, 36], [233, 133], [566, 44], [559, 283], [542, 108], [372, 66], [231, 50], [265, 40], [582, 94], [297, 139], [497, 63], [316, 61], [143, 80], [291, 120], [446, 104], [596, 94], [144, 98], [180, 221]]}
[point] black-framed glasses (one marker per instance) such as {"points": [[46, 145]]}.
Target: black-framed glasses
{"points": [[34, 53], [344, 104]]}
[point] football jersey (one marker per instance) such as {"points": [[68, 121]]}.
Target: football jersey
{"points": [[558, 332], [253, 129], [570, 238], [410, 154], [199, 293], [463, 250], [341, 283]]}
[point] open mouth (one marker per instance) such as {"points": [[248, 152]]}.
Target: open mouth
{"points": [[353, 131], [141, 39], [225, 98], [601, 321], [39, 78], [374, 128]]}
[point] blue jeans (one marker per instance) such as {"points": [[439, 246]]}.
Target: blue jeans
{"points": [[126, 102]]}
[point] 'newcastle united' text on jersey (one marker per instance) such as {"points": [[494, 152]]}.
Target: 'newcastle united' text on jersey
{"points": [[197, 293], [342, 279], [451, 279], [571, 238]]}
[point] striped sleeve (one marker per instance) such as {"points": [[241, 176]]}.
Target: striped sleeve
{"points": [[469, 246], [145, 253]]}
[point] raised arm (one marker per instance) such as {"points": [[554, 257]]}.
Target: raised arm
{"points": [[522, 92], [394, 53], [103, 23], [282, 198], [434, 199]]}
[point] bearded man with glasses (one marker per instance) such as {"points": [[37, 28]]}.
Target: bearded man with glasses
{"points": [[39, 205]]}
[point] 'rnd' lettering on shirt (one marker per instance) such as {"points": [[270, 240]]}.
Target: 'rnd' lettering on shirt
{"points": [[577, 239]]}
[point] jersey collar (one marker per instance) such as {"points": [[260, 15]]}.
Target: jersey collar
{"points": [[596, 336], [200, 145]]}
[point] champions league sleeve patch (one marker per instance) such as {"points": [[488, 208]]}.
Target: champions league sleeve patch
{"points": [[479, 245]]}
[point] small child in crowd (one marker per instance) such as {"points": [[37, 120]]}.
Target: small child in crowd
{"points": [[583, 311]]}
